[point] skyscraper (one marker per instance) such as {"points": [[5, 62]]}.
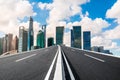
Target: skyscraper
{"points": [[40, 39], [1, 46], [9, 41], [59, 34], [23, 38], [15, 43], [72, 38], [77, 37], [87, 40], [50, 41], [30, 34], [5, 43], [44, 31]]}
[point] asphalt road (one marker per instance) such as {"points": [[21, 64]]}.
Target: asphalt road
{"points": [[92, 66], [32, 65]]}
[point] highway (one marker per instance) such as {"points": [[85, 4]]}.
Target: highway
{"points": [[59, 63]]}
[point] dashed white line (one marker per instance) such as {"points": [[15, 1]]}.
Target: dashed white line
{"points": [[50, 69], [25, 58], [94, 58]]}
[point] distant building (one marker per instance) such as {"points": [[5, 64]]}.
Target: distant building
{"points": [[1, 46], [59, 35], [72, 38], [30, 35], [87, 40], [50, 41], [5, 43], [44, 31], [23, 38], [77, 37], [100, 49], [9, 42], [15, 43], [40, 39]]}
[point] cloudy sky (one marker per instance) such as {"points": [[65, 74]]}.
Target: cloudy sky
{"points": [[101, 17]]}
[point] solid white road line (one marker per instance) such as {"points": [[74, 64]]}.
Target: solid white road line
{"points": [[25, 58], [94, 58], [51, 67], [69, 69], [59, 73]]}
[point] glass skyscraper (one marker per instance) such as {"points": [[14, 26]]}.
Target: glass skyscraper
{"points": [[23, 38], [30, 34], [72, 38], [1, 46], [76, 34], [40, 39], [59, 35], [87, 40]]}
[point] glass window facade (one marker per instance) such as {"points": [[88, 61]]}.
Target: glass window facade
{"points": [[77, 37], [50, 41], [40, 39], [59, 35], [87, 40]]}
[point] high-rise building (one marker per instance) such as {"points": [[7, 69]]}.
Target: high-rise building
{"points": [[87, 40], [1, 46], [44, 31], [50, 41], [15, 43], [72, 38], [77, 37], [59, 34], [30, 35], [23, 38], [9, 42], [40, 39], [5, 43]]}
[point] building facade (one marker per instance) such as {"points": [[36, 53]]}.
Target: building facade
{"points": [[59, 35], [1, 46], [87, 40], [72, 38], [44, 31], [77, 37], [30, 35], [50, 41], [23, 38], [15, 43], [40, 39]]}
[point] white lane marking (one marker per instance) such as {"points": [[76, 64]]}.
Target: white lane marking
{"points": [[69, 69], [94, 58], [50, 69], [59, 73], [25, 58]]}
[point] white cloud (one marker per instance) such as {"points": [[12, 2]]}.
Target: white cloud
{"points": [[113, 33], [114, 11], [11, 12]]}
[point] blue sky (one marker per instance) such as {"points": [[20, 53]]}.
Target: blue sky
{"points": [[99, 16]]}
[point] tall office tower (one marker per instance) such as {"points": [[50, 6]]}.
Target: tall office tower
{"points": [[1, 46], [87, 40], [9, 42], [59, 35], [44, 31], [30, 35], [23, 38], [77, 37], [40, 39], [15, 43], [5, 43], [50, 41], [72, 38]]}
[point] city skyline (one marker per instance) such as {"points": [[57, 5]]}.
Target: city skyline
{"points": [[103, 21]]}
